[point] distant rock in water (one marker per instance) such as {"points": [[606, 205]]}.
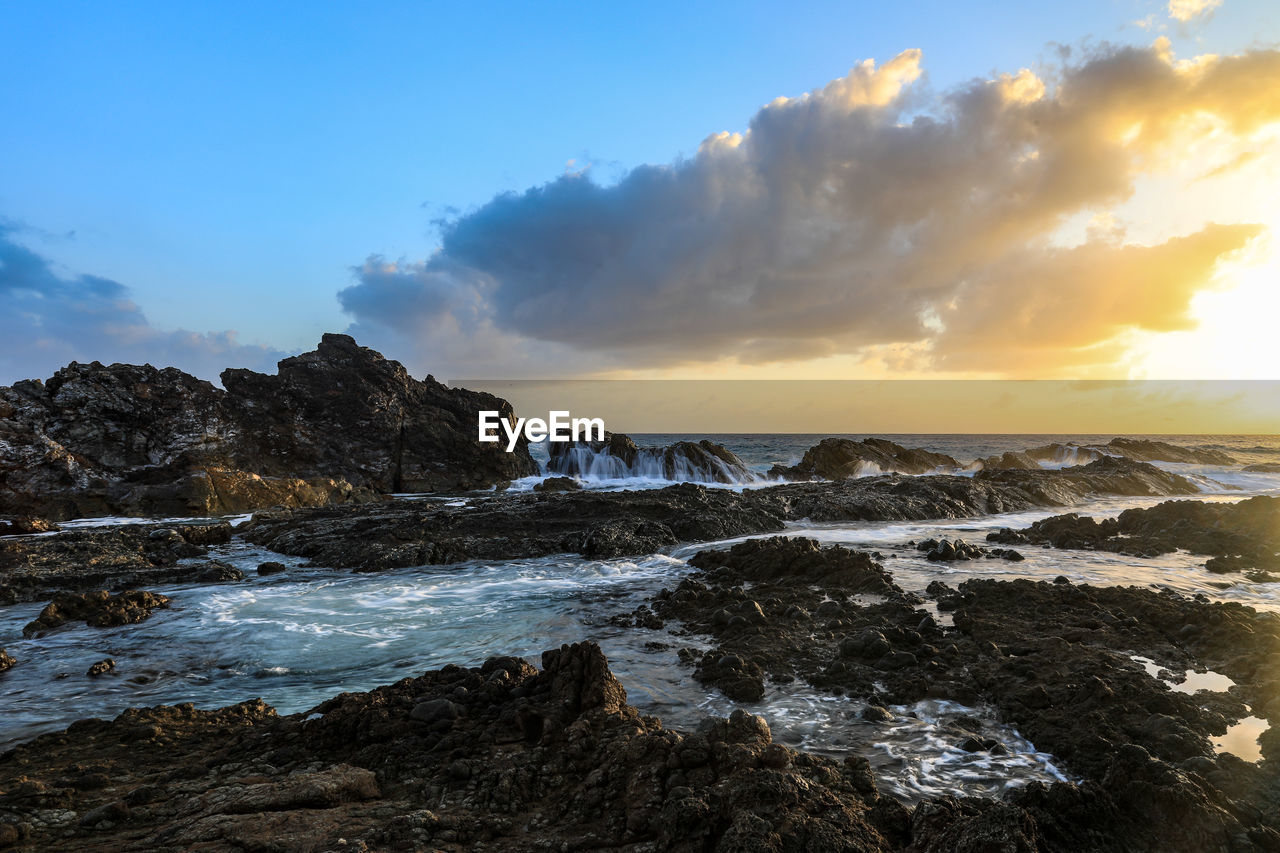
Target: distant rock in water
{"points": [[618, 457], [334, 425], [1262, 468], [1013, 460], [842, 458], [1137, 449], [1146, 450]]}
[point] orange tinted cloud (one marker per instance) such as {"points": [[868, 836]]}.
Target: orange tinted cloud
{"points": [[862, 215]]}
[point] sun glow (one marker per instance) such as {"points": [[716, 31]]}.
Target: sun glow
{"points": [[1237, 335]]}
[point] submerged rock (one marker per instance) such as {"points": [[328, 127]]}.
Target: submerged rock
{"points": [[335, 425]]}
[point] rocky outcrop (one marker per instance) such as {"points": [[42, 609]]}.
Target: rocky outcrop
{"points": [[98, 609], [522, 760], [841, 458], [116, 558], [1054, 659], [618, 457], [1137, 449], [1012, 460], [1147, 450], [6, 660], [1262, 468], [612, 524], [338, 424], [1109, 475], [1238, 536]]}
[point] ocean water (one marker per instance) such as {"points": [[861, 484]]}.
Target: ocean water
{"points": [[298, 638]]}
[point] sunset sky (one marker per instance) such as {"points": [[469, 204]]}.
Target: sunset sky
{"points": [[710, 190]]}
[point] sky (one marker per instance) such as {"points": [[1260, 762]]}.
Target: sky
{"points": [[840, 190]]}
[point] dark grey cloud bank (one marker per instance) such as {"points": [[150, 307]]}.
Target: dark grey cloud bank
{"points": [[858, 214], [48, 319]]}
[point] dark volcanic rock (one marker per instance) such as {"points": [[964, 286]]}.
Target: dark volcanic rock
{"points": [[594, 524], [1054, 659], [102, 667], [271, 567], [1013, 460], [1137, 449], [558, 484], [98, 609], [958, 549], [1107, 475], [334, 425], [613, 524], [840, 458], [6, 660], [32, 567], [1244, 535], [618, 456], [1263, 468], [510, 758], [1146, 450], [26, 524]]}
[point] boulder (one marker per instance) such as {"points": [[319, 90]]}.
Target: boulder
{"points": [[99, 609]]}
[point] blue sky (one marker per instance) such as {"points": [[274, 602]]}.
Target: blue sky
{"points": [[229, 164]]}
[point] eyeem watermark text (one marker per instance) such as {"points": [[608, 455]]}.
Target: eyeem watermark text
{"points": [[558, 426]]}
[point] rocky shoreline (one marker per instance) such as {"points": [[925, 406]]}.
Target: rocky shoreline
{"points": [[509, 756]]}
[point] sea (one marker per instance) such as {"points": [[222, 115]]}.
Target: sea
{"points": [[298, 638]]}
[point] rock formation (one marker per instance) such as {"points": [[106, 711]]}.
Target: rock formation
{"points": [[841, 458], [338, 424], [618, 456]]}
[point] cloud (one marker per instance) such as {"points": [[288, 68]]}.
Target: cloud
{"points": [[48, 320], [1188, 10], [861, 217]]}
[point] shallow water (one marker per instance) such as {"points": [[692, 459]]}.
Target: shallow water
{"points": [[297, 639]]}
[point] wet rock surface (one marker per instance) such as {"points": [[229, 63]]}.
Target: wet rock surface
{"points": [[612, 524], [114, 558], [524, 760], [958, 550], [97, 609], [1137, 449], [1238, 536], [840, 458], [334, 425], [617, 455], [1052, 659]]}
